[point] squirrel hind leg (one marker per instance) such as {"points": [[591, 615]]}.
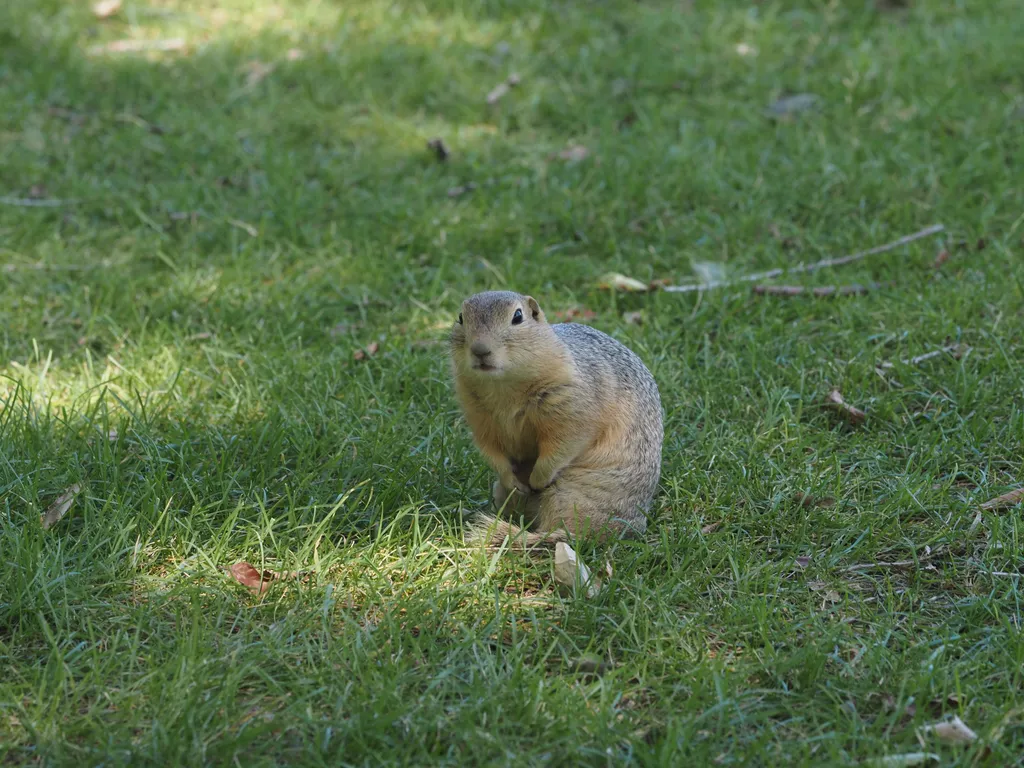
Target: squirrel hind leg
{"points": [[571, 509]]}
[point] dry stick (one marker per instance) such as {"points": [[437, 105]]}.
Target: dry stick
{"points": [[927, 232], [852, 414], [820, 291], [957, 350], [28, 202], [896, 564]]}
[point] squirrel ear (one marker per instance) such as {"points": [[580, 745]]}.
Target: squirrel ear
{"points": [[535, 309]]}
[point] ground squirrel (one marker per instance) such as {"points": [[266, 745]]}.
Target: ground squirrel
{"points": [[569, 418]]}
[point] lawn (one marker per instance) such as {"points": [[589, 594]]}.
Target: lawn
{"points": [[228, 264]]}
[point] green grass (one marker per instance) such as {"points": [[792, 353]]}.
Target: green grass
{"points": [[198, 381]]}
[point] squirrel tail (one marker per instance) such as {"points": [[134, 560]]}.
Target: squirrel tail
{"points": [[493, 533]]}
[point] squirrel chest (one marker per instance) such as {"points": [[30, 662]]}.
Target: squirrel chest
{"points": [[508, 423]]}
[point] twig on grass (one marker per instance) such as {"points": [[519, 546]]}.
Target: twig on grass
{"points": [[957, 350], [31, 202], [834, 262], [853, 415], [928, 554], [820, 291]]}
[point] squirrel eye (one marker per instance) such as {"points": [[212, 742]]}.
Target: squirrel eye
{"points": [[460, 318], [517, 318]]}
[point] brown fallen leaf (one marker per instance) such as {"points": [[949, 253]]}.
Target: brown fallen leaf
{"points": [[710, 528], [1004, 501], [60, 506], [613, 281], [247, 576], [940, 259], [634, 318], [439, 148], [952, 731], [574, 154], [369, 351], [501, 89], [853, 415], [104, 9]]}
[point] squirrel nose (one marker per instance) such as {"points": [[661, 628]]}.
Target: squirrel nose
{"points": [[480, 349]]}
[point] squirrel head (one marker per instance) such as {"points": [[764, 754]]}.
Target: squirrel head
{"points": [[500, 334]]}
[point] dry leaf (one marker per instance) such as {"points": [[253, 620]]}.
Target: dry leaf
{"points": [[369, 351], [248, 576], [634, 318], [952, 731], [60, 506], [501, 90], [853, 415], [439, 148], [106, 8], [659, 282], [613, 281], [574, 154], [1004, 501], [711, 528], [571, 572], [832, 597], [941, 259], [904, 761]]}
